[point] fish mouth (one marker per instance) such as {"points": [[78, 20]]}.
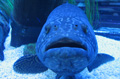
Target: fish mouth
{"points": [[66, 55], [66, 42]]}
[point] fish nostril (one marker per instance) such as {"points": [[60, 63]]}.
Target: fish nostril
{"points": [[75, 27], [84, 28], [55, 27], [47, 29]]}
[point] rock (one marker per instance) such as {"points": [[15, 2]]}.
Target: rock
{"points": [[4, 29], [28, 19], [29, 49]]}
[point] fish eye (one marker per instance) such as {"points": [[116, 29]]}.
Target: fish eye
{"points": [[47, 29], [55, 27], [84, 28], [76, 25]]}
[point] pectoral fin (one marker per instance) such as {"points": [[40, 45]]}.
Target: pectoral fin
{"points": [[29, 64], [100, 59]]}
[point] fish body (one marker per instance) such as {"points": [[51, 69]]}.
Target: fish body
{"points": [[66, 44], [70, 44]]}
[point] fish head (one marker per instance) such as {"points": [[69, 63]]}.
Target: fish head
{"points": [[67, 43]]}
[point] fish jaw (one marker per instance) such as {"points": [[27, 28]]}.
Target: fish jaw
{"points": [[63, 58], [66, 60]]}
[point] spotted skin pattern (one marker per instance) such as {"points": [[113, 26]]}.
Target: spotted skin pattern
{"points": [[67, 22]]}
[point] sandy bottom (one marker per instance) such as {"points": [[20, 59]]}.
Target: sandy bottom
{"points": [[110, 70]]}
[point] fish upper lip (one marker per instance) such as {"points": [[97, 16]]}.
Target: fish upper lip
{"points": [[66, 42]]}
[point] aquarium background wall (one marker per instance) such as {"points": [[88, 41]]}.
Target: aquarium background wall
{"points": [[101, 13], [105, 10]]}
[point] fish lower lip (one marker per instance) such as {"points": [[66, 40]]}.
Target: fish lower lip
{"points": [[65, 52], [63, 47]]}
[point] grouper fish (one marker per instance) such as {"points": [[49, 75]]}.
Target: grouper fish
{"points": [[66, 45]]}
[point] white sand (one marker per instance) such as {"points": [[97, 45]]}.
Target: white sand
{"points": [[110, 70]]}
